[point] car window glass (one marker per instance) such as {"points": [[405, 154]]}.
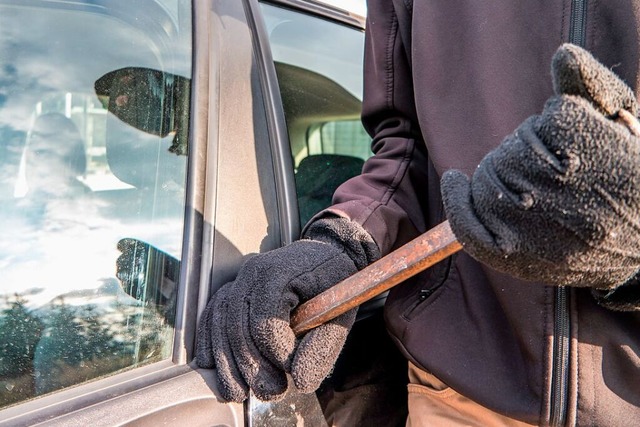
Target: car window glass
{"points": [[93, 112], [319, 67]]}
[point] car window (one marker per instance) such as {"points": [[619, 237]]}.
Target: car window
{"points": [[319, 67], [93, 112]]}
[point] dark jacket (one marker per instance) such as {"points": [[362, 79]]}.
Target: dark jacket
{"points": [[445, 82]]}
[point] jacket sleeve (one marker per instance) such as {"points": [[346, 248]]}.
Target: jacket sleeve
{"points": [[388, 198]]}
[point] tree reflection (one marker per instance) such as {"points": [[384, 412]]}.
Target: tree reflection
{"points": [[62, 345], [20, 331]]}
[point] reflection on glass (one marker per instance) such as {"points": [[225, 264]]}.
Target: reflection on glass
{"points": [[54, 159], [91, 206]]}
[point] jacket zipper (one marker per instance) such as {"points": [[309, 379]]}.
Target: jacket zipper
{"points": [[578, 23], [424, 294], [562, 326], [561, 349]]}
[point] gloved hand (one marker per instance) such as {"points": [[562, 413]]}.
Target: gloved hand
{"points": [[558, 201], [131, 266], [245, 332], [158, 285]]}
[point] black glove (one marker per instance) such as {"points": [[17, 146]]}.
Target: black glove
{"points": [[245, 332], [149, 274], [559, 200]]}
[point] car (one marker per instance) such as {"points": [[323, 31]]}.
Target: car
{"points": [[148, 149]]}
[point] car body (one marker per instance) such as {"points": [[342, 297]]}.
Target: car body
{"points": [[149, 148]]}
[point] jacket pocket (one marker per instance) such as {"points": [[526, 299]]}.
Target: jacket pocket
{"points": [[439, 275]]}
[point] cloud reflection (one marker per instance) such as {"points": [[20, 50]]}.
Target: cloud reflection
{"points": [[59, 238]]}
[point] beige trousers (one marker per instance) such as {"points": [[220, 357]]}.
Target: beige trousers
{"points": [[433, 403]]}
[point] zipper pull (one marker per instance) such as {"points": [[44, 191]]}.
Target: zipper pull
{"points": [[424, 294]]}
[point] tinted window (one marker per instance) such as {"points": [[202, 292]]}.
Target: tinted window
{"points": [[319, 68], [93, 112]]}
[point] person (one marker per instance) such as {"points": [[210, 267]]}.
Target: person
{"points": [[536, 321]]}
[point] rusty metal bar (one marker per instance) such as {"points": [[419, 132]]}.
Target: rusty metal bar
{"points": [[397, 266]]}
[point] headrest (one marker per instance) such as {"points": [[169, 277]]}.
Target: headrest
{"points": [[146, 126]]}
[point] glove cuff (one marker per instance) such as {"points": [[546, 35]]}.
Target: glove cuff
{"points": [[625, 297], [346, 235]]}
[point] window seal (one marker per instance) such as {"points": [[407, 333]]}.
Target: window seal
{"points": [[192, 288], [325, 10], [278, 134]]}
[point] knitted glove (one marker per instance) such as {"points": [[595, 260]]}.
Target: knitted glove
{"points": [[148, 274], [245, 332], [558, 201], [131, 266]]}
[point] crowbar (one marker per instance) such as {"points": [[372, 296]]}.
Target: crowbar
{"points": [[408, 260]]}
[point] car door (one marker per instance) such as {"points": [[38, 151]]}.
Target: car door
{"points": [[149, 148]]}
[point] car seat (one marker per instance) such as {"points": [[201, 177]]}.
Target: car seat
{"points": [[317, 178]]}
